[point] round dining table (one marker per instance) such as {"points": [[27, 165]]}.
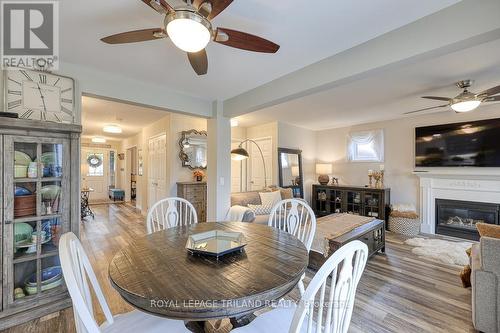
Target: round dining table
{"points": [[156, 274]]}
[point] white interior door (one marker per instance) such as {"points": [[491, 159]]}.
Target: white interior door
{"points": [[157, 169], [256, 172], [96, 178]]}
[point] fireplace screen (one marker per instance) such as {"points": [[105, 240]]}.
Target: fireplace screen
{"points": [[459, 218]]}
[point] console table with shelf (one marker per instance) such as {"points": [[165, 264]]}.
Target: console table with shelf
{"points": [[39, 201], [358, 200]]}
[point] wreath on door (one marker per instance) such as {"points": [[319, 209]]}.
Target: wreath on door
{"points": [[94, 161]]}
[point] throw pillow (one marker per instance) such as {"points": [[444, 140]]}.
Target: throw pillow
{"points": [[488, 230], [286, 193], [260, 209], [270, 198]]}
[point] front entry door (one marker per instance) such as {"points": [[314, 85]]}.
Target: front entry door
{"points": [[157, 169], [96, 177]]}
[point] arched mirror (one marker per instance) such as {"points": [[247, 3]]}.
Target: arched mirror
{"points": [[193, 145]]}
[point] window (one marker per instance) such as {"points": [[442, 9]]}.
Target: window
{"points": [[95, 162], [366, 146]]}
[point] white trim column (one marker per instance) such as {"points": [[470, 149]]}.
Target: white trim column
{"points": [[219, 164]]}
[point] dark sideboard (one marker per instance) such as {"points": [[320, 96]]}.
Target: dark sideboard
{"points": [[358, 200]]}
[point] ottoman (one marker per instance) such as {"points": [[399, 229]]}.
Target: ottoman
{"points": [[116, 194]]}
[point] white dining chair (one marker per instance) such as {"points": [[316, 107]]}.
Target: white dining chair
{"points": [[296, 217], [78, 272], [328, 301], [169, 213]]}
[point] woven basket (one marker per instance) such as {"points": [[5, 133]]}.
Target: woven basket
{"points": [[404, 226]]}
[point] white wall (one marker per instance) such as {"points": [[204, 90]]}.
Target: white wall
{"points": [[294, 137], [399, 150]]}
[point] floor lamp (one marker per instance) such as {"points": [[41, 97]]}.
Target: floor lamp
{"points": [[240, 153]]}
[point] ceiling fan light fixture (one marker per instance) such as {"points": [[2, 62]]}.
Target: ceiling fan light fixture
{"points": [[189, 31], [465, 106]]}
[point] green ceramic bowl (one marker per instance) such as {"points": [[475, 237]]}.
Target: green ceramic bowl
{"points": [[50, 192], [21, 158], [22, 231]]}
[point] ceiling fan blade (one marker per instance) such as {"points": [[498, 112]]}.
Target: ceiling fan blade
{"points": [[491, 91], [159, 5], [135, 36], [199, 62], [211, 8], [244, 41], [492, 99], [447, 99], [425, 109]]}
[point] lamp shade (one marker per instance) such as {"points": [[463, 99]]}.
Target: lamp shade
{"points": [[239, 154], [323, 169], [295, 170]]}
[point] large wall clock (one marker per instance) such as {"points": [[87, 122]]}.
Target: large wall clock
{"points": [[40, 95]]}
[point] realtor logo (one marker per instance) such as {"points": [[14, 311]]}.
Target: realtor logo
{"points": [[30, 34]]}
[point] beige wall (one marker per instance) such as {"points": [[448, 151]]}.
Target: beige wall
{"points": [[399, 150]]}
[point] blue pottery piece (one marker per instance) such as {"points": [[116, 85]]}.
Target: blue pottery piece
{"points": [[47, 227], [48, 275], [20, 191]]}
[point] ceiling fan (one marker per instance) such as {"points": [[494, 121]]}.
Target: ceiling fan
{"points": [[465, 101], [188, 24]]}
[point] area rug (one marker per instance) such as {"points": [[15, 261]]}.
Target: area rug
{"points": [[447, 252]]}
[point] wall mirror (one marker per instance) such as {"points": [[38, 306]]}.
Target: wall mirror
{"points": [[290, 170], [193, 145]]}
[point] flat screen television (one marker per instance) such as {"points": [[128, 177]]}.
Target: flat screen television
{"points": [[468, 144]]}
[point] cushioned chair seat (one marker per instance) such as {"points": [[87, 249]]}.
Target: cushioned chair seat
{"points": [[136, 321]]}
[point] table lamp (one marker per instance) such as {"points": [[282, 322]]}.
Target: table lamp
{"points": [[323, 170]]}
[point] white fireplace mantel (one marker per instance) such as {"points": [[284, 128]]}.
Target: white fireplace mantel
{"points": [[474, 186]]}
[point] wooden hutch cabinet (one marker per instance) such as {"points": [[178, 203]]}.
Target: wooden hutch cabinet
{"points": [[196, 194], [39, 176], [358, 200]]}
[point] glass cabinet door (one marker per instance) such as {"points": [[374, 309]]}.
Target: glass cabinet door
{"points": [[354, 202], [36, 192], [371, 204]]}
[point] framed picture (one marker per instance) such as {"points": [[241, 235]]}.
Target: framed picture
{"points": [[140, 163]]}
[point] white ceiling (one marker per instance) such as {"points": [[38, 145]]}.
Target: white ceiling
{"points": [[307, 31], [97, 113], [389, 94]]}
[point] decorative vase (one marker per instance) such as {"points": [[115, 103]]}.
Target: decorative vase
{"points": [[323, 179], [199, 178]]}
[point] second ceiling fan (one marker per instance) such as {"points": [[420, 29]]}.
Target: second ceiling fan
{"points": [[188, 25]]}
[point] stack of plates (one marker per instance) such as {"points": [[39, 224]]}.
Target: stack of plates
{"points": [[51, 278]]}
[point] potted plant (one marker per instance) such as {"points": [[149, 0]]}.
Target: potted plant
{"points": [[198, 175]]}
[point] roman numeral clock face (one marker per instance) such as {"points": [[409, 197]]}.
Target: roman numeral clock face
{"points": [[40, 96]]}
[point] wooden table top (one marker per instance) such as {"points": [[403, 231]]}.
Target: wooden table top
{"points": [[156, 274]]}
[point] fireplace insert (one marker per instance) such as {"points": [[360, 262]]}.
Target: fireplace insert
{"points": [[458, 218]]}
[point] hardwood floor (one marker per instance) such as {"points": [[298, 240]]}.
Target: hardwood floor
{"points": [[399, 292]]}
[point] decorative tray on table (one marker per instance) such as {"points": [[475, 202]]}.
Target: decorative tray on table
{"points": [[215, 243]]}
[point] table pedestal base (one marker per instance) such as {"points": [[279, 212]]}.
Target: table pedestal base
{"points": [[219, 325]]}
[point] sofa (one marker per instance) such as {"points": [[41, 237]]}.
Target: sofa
{"points": [[253, 198], [485, 280]]}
